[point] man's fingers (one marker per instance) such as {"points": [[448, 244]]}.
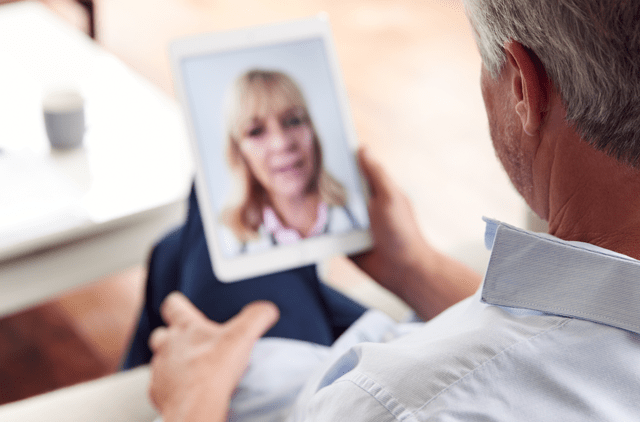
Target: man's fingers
{"points": [[254, 320], [178, 309], [249, 325], [363, 258], [157, 338], [365, 165], [375, 174]]}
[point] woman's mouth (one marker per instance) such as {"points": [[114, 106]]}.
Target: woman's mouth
{"points": [[294, 166]]}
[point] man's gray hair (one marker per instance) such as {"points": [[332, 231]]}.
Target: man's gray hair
{"points": [[590, 50]]}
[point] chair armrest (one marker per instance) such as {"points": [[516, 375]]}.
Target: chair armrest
{"points": [[119, 397]]}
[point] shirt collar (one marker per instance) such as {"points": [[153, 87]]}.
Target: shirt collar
{"points": [[284, 235], [543, 273]]}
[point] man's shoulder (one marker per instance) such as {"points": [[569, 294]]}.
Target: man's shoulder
{"points": [[503, 366], [401, 378], [431, 360]]}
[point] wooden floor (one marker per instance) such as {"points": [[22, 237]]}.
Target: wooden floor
{"points": [[40, 351], [78, 337], [391, 52]]}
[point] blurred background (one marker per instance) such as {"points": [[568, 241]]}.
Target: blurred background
{"points": [[411, 70]]}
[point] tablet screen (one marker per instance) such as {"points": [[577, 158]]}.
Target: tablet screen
{"points": [[273, 149]]}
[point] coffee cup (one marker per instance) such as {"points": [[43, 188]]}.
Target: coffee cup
{"points": [[64, 118]]}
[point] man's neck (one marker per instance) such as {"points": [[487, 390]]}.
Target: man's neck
{"points": [[595, 199]]}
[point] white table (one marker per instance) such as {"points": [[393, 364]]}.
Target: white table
{"points": [[67, 218]]}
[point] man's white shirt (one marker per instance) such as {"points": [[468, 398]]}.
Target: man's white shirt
{"points": [[552, 334]]}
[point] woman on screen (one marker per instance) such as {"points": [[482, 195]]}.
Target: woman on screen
{"points": [[285, 194]]}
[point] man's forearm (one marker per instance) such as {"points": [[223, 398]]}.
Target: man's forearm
{"points": [[206, 405], [434, 281]]}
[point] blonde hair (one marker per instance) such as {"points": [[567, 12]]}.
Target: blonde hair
{"points": [[256, 90]]}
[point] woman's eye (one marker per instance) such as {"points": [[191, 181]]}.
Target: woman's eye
{"points": [[293, 121], [255, 131]]}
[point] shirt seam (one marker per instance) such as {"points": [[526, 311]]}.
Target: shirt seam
{"points": [[404, 415], [475, 369], [359, 379]]}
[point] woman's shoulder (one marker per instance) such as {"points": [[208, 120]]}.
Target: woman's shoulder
{"points": [[352, 215]]}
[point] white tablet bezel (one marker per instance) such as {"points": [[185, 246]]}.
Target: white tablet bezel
{"points": [[282, 257]]}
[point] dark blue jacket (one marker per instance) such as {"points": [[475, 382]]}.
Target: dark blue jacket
{"points": [[309, 310]]}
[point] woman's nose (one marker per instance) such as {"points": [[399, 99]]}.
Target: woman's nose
{"points": [[279, 139]]}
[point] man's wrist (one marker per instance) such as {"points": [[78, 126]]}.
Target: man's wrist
{"points": [[435, 281], [204, 402], [415, 276]]}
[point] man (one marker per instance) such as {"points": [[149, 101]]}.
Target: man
{"points": [[553, 332]]}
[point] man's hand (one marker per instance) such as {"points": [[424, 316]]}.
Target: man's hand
{"points": [[398, 244], [197, 363], [401, 260]]}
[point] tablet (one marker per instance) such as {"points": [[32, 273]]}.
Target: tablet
{"points": [[276, 173]]}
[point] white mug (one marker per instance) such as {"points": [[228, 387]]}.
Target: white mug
{"points": [[64, 118]]}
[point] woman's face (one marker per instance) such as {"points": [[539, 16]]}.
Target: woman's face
{"points": [[277, 145]]}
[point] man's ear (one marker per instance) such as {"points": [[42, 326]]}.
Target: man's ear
{"points": [[528, 85]]}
